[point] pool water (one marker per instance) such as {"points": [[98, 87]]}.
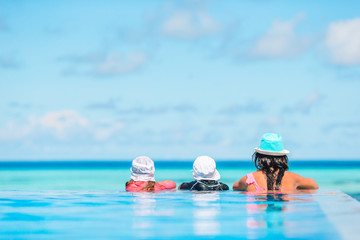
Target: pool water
{"points": [[107, 214], [86, 200]]}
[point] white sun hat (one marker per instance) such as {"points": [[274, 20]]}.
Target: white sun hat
{"points": [[142, 169], [204, 168]]}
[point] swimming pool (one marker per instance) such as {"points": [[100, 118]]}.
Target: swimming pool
{"points": [[86, 200], [64, 214]]}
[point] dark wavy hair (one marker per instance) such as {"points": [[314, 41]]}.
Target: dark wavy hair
{"points": [[270, 165]]}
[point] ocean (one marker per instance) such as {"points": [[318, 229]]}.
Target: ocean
{"points": [[112, 175]]}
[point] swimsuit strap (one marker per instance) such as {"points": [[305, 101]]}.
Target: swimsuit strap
{"points": [[210, 185], [194, 185], [251, 180]]}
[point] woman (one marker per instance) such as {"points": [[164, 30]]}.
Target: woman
{"points": [[142, 177], [205, 175], [272, 163]]}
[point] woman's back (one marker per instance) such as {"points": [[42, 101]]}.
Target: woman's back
{"points": [[290, 182], [271, 160]]}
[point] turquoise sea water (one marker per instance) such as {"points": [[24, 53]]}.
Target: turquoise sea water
{"points": [[112, 175], [86, 200]]}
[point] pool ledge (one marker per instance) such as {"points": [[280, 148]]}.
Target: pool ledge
{"points": [[342, 211]]}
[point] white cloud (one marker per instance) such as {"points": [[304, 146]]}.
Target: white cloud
{"points": [[104, 64], [186, 24], [65, 126], [116, 63], [309, 101], [105, 133], [14, 131], [107, 105], [272, 121], [63, 121], [281, 40], [305, 105], [250, 107], [342, 42], [90, 57]]}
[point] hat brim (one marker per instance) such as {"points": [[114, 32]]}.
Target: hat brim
{"points": [[215, 177], [272, 153]]}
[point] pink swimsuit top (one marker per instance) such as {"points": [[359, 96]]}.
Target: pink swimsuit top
{"points": [[138, 186], [251, 180]]}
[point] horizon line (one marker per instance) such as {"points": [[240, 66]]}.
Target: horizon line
{"points": [[163, 160]]}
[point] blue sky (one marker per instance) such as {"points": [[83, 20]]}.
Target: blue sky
{"points": [[178, 79]]}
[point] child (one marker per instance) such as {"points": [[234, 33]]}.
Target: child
{"points": [[272, 163], [142, 177], [206, 176]]}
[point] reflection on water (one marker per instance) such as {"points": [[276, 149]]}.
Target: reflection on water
{"points": [[145, 209], [266, 213], [176, 215], [144, 205], [206, 210]]}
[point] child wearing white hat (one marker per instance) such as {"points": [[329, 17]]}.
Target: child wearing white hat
{"points": [[205, 175], [143, 179]]}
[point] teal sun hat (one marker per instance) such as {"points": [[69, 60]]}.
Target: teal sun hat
{"points": [[272, 144]]}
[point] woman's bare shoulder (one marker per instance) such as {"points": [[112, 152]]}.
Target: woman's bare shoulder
{"points": [[256, 173], [302, 182], [292, 175]]}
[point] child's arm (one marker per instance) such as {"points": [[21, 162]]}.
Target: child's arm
{"points": [[241, 184], [224, 186], [168, 184], [186, 185]]}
